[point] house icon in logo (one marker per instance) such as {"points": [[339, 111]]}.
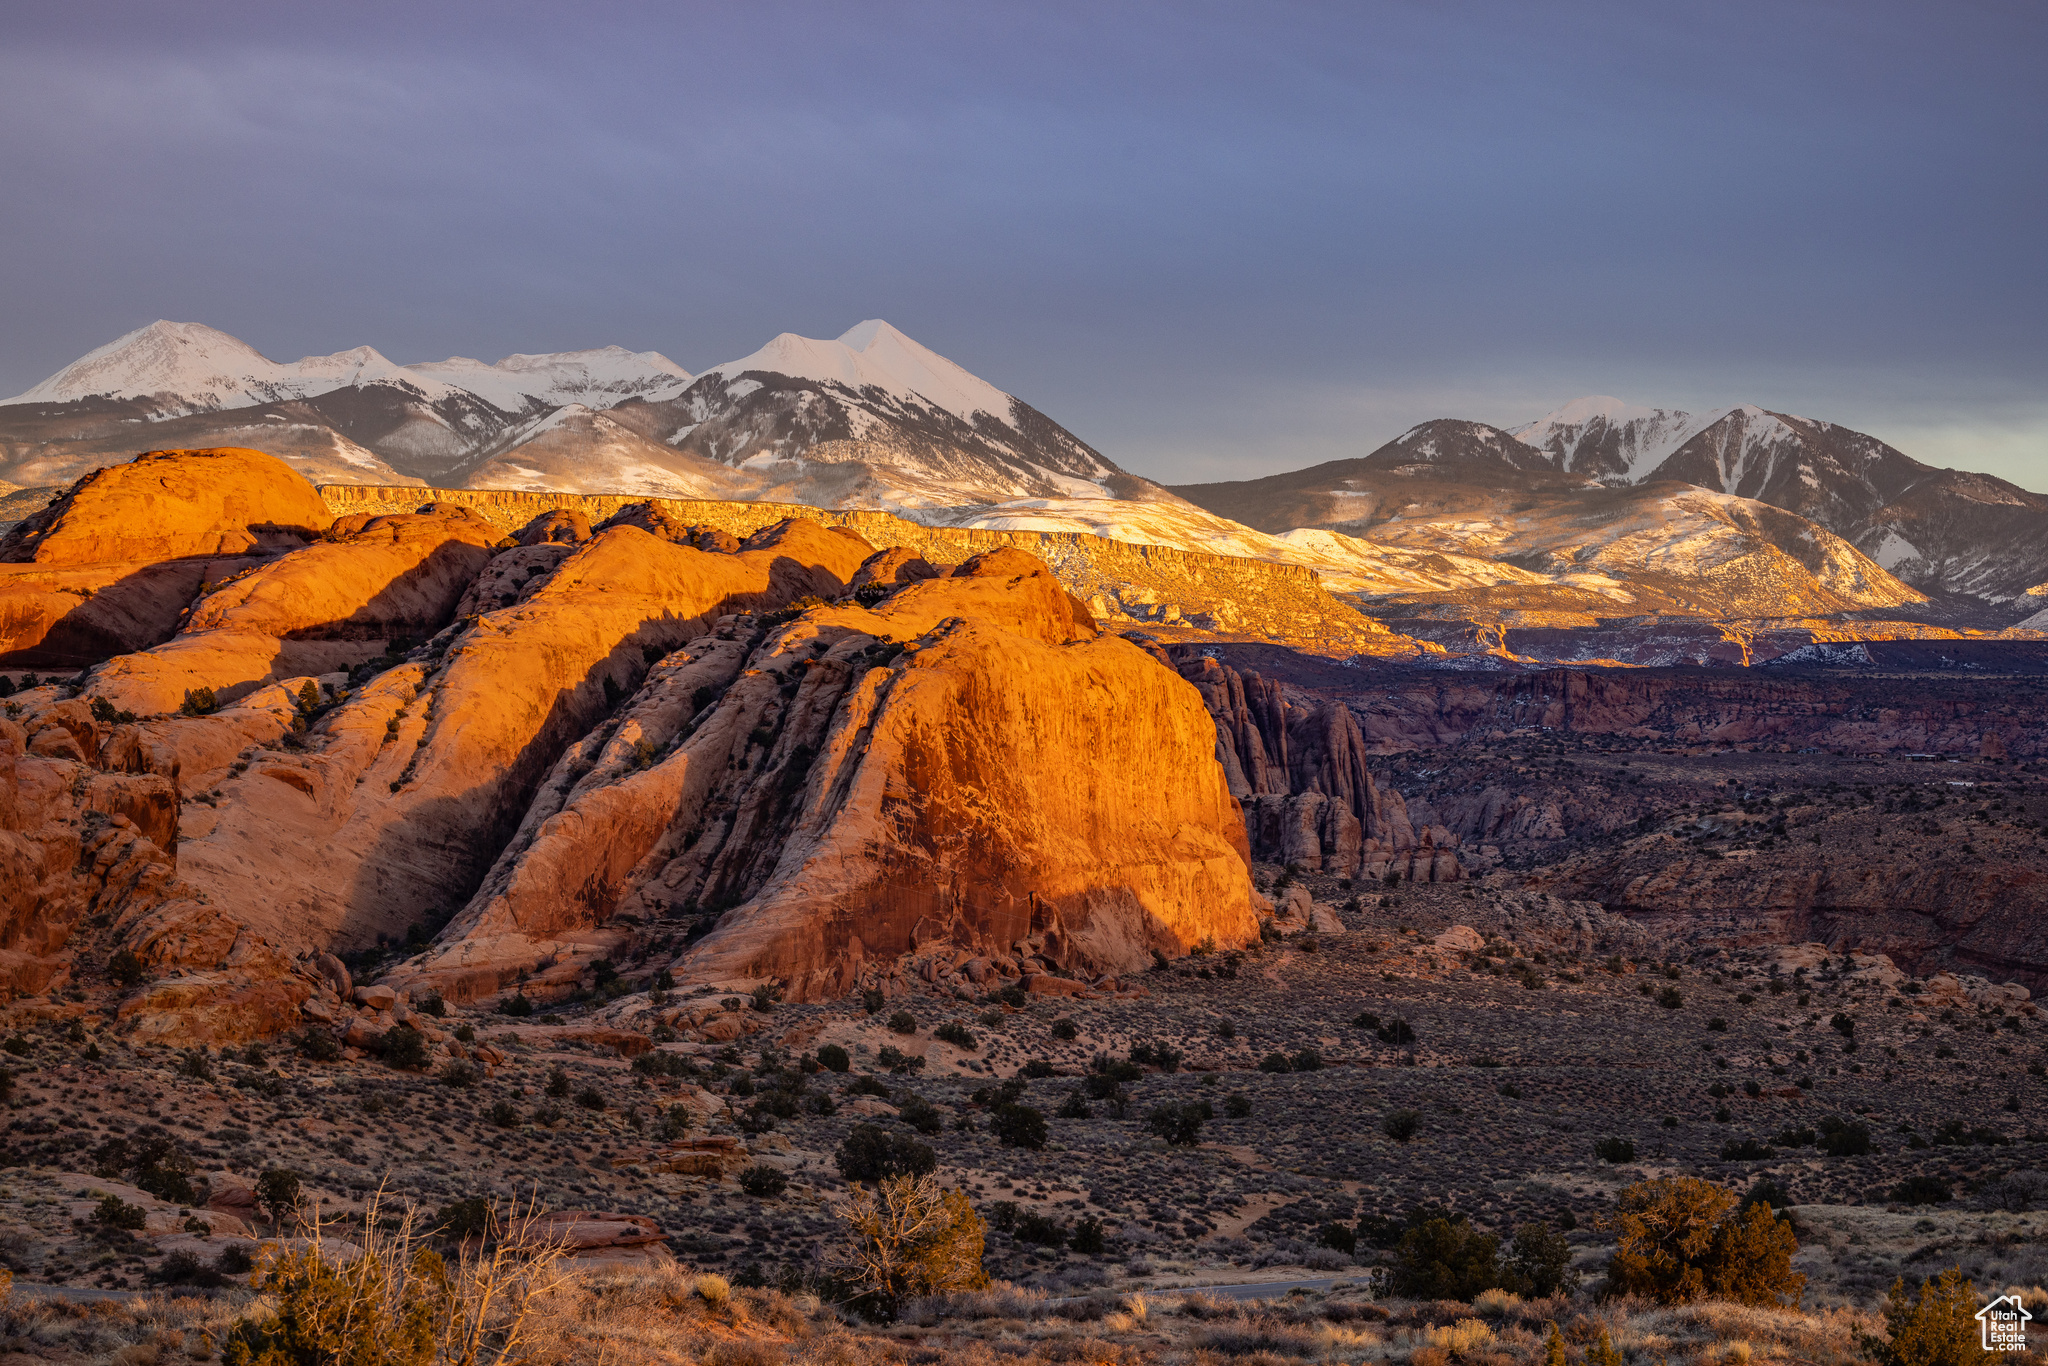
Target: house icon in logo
{"points": [[2005, 1322]]}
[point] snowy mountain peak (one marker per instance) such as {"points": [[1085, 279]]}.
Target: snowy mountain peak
{"points": [[598, 377], [190, 360], [873, 354], [1611, 440]]}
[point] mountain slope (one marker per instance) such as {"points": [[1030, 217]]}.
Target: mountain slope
{"points": [[1944, 531], [922, 431], [1467, 489]]}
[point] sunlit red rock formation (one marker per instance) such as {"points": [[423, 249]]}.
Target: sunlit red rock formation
{"points": [[110, 566], [970, 763], [323, 609]]}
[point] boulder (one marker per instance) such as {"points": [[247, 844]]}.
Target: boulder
{"points": [[1460, 939]]}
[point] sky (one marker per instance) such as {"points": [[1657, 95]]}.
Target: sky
{"points": [[1213, 240]]}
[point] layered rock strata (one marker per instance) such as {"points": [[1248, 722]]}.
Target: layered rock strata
{"points": [[323, 609], [969, 765], [1308, 798]]}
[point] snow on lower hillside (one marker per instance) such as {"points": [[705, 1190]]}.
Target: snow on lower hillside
{"points": [[1345, 564]]}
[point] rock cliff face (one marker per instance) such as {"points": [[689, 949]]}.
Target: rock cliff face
{"points": [[323, 609], [1308, 797], [88, 865], [969, 765], [111, 565]]}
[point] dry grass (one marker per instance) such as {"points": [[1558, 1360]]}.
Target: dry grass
{"points": [[670, 1316]]}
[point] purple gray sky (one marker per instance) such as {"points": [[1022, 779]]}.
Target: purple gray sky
{"points": [[1215, 240]]}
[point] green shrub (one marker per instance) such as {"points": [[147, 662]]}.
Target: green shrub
{"points": [[896, 1060], [459, 1074], [114, 1212], [834, 1058], [871, 1000], [505, 1115], [1615, 1150], [1036, 1068], [1276, 1063], [1065, 1030], [469, 1218], [957, 1034], [403, 1047], [1937, 1327], [125, 968], [1401, 1125], [199, 702], [1539, 1262], [277, 1190], [1018, 1126], [1074, 1107], [590, 1098], [1921, 1190], [764, 1182], [872, 1153], [1745, 1150], [516, 1005], [1396, 1031], [319, 1044], [557, 1087], [920, 1114], [1342, 1237], [1042, 1229], [903, 1022], [1843, 1137], [1179, 1124], [1444, 1259], [1089, 1237], [1307, 1060], [1237, 1105]]}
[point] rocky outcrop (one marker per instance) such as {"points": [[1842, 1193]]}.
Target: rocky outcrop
{"points": [[968, 764], [110, 566], [400, 799], [88, 867], [1207, 593], [1308, 797], [323, 609], [166, 505]]}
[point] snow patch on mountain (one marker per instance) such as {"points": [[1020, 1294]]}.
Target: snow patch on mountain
{"points": [[1615, 441], [873, 354], [596, 378], [186, 367], [183, 368]]}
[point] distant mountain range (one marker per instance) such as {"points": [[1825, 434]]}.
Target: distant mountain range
{"points": [[869, 419], [1599, 509]]}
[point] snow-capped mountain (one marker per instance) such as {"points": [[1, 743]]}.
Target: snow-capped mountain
{"points": [[870, 418], [1945, 531], [1610, 440], [594, 379], [183, 368], [1470, 490], [873, 418]]}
